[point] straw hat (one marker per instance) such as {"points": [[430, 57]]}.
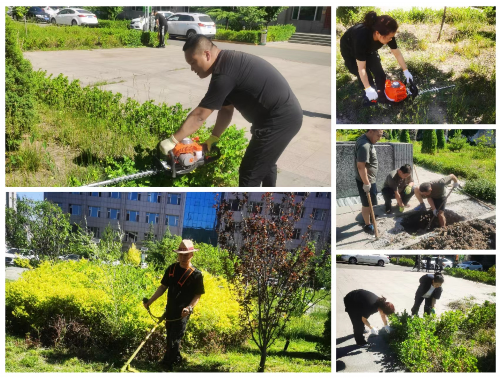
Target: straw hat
{"points": [[186, 246]]}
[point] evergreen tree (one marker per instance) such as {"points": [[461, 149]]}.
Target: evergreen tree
{"points": [[429, 143], [441, 141], [404, 137]]}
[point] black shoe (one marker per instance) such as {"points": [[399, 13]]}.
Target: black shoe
{"points": [[369, 229], [163, 46]]}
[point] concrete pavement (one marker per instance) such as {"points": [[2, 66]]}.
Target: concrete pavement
{"points": [[399, 288], [13, 273], [162, 75]]}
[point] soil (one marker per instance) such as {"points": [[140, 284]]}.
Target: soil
{"points": [[417, 223], [474, 234]]}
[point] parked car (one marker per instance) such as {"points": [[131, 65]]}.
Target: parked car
{"points": [[70, 257], [366, 258], [138, 23], [446, 263], [51, 11], [189, 24], [12, 253], [74, 16], [37, 14], [472, 265]]}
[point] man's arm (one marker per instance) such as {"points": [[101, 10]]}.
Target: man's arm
{"points": [[224, 117], [431, 203], [363, 173], [398, 198], [192, 304], [433, 302], [193, 122], [159, 292]]}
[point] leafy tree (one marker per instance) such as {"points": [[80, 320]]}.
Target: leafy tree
{"points": [[270, 279], [429, 143], [81, 242], [110, 13], [132, 256], [223, 13], [441, 142], [20, 12], [253, 17], [161, 252], [110, 245], [272, 14], [404, 137]]}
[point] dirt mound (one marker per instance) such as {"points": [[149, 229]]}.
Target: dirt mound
{"points": [[475, 234], [417, 223]]}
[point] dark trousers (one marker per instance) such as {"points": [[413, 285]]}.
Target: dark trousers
{"points": [[418, 302], [428, 266], [161, 34], [266, 146], [175, 333], [388, 194], [358, 327], [364, 197], [373, 69]]}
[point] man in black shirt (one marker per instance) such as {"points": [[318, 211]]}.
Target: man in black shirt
{"points": [[185, 287], [429, 290], [256, 89], [161, 23]]}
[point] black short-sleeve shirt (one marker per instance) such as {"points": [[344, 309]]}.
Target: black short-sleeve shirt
{"points": [[361, 302], [178, 297], [357, 42], [255, 88], [161, 19]]}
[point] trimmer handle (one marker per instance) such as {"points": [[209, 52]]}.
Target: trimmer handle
{"points": [[217, 155], [413, 88], [145, 300]]}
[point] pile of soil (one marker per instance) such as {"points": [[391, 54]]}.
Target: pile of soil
{"points": [[417, 223], [475, 234]]}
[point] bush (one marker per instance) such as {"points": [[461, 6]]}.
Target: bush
{"points": [[429, 142], [338, 257], [457, 143], [106, 301], [113, 24], [404, 137], [402, 261], [132, 256], [22, 262], [280, 32], [251, 36], [471, 275], [481, 188], [492, 271], [325, 345], [440, 139]]}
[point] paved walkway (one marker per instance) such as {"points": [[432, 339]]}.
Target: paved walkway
{"points": [[162, 75], [399, 288]]}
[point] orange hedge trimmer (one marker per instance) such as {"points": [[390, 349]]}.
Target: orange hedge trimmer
{"points": [[396, 91]]}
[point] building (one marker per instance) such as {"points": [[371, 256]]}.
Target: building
{"points": [[134, 212], [200, 217], [10, 200], [317, 204], [316, 20]]}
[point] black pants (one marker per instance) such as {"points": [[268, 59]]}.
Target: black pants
{"points": [[388, 194], [175, 333], [161, 33], [364, 197], [373, 69], [418, 302], [266, 146], [358, 327]]}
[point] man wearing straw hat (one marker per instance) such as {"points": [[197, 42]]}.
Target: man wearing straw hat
{"points": [[185, 287]]}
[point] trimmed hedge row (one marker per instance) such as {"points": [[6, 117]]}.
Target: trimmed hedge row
{"points": [[484, 277], [274, 33], [402, 261]]}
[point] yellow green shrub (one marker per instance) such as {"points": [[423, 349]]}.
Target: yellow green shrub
{"points": [[132, 256], [22, 262]]}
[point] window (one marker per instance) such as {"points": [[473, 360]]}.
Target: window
{"points": [[302, 212], [152, 218], [95, 231], [76, 193], [131, 236], [94, 194], [319, 213], [319, 12], [60, 205], [94, 212], [301, 194], [132, 216], [235, 205], [134, 196], [296, 233], [323, 195], [174, 199], [154, 197], [113, 213], [171, 220], [115, 195], [307, 13], [237, 226], [252, 207], [146, 234], [75, 209], [315, 235], [276, 209]]}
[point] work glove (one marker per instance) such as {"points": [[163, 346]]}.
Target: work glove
{"points": [[367, 188], [374, 331], [435, 212], [408, 75], [210, 141], [168, 144], [387, 329], [401, 208], [407, 189], [371, 94], [433, 311], [455, 185]]}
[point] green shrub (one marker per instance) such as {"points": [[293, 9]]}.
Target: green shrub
{"points": [[492, 271], [113, 24], [481, 188], [440, 139], [403, 261], [457, 143], [338, 257], [471, 275], [404, 137], [429, 143], [132, 256], [251, 36], [280, 32], [22, 262], [325, 345], [106, 302]]}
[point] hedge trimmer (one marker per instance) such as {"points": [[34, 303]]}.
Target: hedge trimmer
{"points": [[187, 156]]}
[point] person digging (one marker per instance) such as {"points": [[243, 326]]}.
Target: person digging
{"points": [[258, 91], [398, 185], [185, 287], [161, 24], [430, 290], [366, 169], [435, 193]]}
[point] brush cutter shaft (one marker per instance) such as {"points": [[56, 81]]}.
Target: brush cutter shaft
{"points": [[372, 215]]}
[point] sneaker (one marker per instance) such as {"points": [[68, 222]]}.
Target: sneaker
{"points": [[420, 207], [369, 229], [387, 211]]}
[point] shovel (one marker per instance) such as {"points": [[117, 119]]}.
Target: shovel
{"points": [[432, 219], [372, 215]]}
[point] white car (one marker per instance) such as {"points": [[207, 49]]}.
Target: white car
{"points": [[472, 265], [190, 24], [73, 17], [366, 258], [52, 11], [140, 22], [446, 263], [12, 253]]}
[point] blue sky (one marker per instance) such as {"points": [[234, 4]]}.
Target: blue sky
{"points": [[30, 195]]}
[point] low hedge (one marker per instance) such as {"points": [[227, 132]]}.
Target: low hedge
{"points": [[280, 32], [105, 303], [113, 24], [402, 261], [338, 257], [484, 277], [274, 33]]}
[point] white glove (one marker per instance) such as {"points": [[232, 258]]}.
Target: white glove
{"points": [[168, 144], [371, 94], [408, 75], [387, 329], [435, 212], [374, 331], [367, 188], [455, 185]]}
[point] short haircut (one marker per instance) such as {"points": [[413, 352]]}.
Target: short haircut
{"points": [[197, 44], [425, 187], [439, 278], [405, 168]]}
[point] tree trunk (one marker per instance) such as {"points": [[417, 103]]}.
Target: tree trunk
{"points": [[413, 134], [263, 357], [286, 345], [442, 22]]}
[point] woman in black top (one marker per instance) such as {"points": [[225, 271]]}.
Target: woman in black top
{"points": [[360, 304], [359, 46]]}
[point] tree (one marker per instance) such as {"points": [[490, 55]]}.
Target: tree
{"points": [[110, 245], [20, 12], [272, 14], [223, 13], [161, 252], [270, 279], [429, 142], [253, 17], [109, 13], [81, 242], [132, 256], [404, 137], [441, 142]]}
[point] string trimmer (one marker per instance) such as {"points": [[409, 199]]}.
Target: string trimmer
{"points": [[187, 156], [158, 320]]}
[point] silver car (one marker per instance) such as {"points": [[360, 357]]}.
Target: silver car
{"points": [[366, 258], [472, 265]]}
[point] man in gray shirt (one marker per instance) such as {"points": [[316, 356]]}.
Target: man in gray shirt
{"points": [[435, 192], [366, 168], [398, 185]]}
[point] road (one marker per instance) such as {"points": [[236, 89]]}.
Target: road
{"points": [[13, 273], [398, 285], [162, 75]]}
